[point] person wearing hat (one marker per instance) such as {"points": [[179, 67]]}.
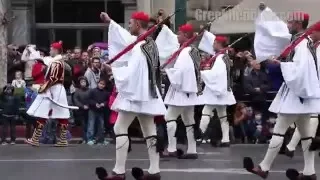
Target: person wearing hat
{"points": [[51, 101], [138, 94], [295, 102], [55, 53], [182, 95], [315, 131], [217, 93]]}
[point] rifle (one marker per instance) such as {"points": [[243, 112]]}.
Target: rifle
{"points": [[141, 38], [190, 41], [225, 50]]}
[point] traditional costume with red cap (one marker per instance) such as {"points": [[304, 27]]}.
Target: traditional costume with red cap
{"points": [[182, 95], [217, 93], [295, 102], [138, 94], [51, 101]]}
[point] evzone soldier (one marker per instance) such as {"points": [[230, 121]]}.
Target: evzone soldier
{"points": [[51, 101], [138, 94], [182, 94], [291, 147], [295, 31], [217, 93], [295, 102]]}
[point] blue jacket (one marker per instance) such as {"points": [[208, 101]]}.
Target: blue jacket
{"points": [[30, 95]]}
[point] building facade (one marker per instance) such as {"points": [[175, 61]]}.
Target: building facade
{"points": [[77, 23]]}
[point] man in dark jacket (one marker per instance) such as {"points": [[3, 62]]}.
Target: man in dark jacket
{"points": [[256, 84], [98, 99]]}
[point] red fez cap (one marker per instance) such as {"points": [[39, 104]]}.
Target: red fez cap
{"points": [[57, 45], [221, 39], [299, 16], [316, 27], [186, 28], [140, 15]]}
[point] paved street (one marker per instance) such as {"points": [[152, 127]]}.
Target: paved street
{"points": [[78, 162]]}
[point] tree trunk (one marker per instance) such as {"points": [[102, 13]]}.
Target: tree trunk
{"points": [[4, 4]]}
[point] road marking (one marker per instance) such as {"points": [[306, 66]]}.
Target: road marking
{"points": [[212, 170], [209, 153], [81, 160]]}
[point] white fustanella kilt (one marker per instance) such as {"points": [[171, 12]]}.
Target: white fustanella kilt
{"points": [[42, 105], [208, 97], [178, 98], [153, 107]]}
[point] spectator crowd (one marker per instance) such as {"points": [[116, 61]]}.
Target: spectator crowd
{"points": [[91, 88]]}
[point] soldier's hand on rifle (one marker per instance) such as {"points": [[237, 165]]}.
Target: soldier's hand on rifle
{"points": [[105, 17], [273, 60]]}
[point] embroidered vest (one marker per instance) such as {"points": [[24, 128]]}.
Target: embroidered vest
{"points": [[150, 50], [195, 56]]}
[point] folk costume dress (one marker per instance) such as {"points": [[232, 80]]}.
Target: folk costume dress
{"points": [[297, 99], [217, 93], [182, 95], [138, 93], [51, 102]]}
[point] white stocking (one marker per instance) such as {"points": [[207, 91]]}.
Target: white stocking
{"points": [[149, 131], [282, 124], [222, 114], [294, 140], [305, 127], [122, 142], [207, 113], [171, 116], [314, 125], [188, 120]]}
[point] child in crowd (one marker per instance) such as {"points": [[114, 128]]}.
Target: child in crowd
{"points": [[18, 82], [30, 94], [81, 99], [10, 111], [98, 102]]}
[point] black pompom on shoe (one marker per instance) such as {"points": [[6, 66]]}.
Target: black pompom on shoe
{"points": [[292, 174], [180, 153], [248, 164], [101, 173], [137, 173]]}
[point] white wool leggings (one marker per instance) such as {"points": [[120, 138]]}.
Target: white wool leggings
{"points": [[296, 135], [304, 126], [187, 116], [148, 128], [207, 114]]}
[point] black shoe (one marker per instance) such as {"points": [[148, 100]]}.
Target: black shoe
{"points": [[293, 174], [188, 156], [249, 166], [224, 145]]}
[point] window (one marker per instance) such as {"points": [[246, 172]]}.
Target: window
{"points": [[42, 14], [68, 37], [91, 36], [116, 11], [42, 38], [66, 11]]}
